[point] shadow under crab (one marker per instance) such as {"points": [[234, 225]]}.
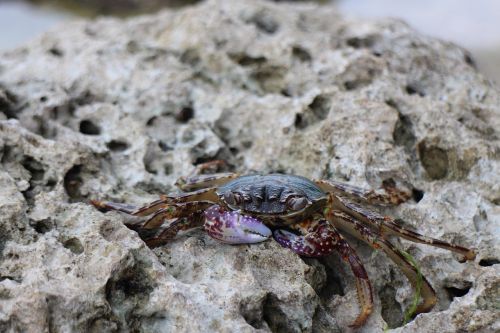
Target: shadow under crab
{"points": [[305, 216]]}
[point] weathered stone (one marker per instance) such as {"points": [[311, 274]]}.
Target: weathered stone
{"points": [[119, 109]]}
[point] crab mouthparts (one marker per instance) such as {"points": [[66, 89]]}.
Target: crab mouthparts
{"points": [[233, 228]]}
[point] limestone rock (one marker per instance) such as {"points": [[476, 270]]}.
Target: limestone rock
{"points": [[119, 109]]}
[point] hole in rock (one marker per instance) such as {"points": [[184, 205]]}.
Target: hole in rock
{"points": [[185, 114], [301, 54], [315, 112], [270, 79], [42, 226], [334, 281], [417, 194], [458, 292], [403, 134], [34, 167], [244, 60], [389, 183], [168, 168], [286, 92], [391, 309], [469, 60], [84, 98], [299, 121], [132, 282], [360, 42], [37, 172], [117, 145], [89, 128], [434, 160], [56, 52], [351, 85], [151, 121], [265, 22], [8, 102], [486, 262], [190, 57], [252, 313], [164, 146], [273, 315], [412, 90], [74, 245], [320, 106], [72, 183]]}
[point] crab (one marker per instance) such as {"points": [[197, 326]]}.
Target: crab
{"points": [[305, 216]]}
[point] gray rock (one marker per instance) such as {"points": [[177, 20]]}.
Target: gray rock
{"points": [[118, 109]]}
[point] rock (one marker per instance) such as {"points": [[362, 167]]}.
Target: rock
{"points": [[119, 109]]}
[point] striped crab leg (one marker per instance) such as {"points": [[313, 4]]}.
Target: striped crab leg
{"points": [[197, 179], [387, 225], [389, 194], [350, 225]]}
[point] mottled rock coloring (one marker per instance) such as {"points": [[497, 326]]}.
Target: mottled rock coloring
{"points": [[119, 109]]}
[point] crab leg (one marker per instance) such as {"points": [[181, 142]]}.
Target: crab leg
{"points": [[319, 239], [204, 181], [186, 223], [207, 194], [208, 167], [175, 211], [388, 195], [196, 179], [357, 229], [129, 209], [387, 225]]}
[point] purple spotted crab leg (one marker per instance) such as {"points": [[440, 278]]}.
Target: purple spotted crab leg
{"points": [[318, 239]]}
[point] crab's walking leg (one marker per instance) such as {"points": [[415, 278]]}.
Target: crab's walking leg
{"points": [[185, 223], [209, 167], [197, 180], [203, 188], [146, 210], [319, 239], [387, 225], [165, 201], [349, 224], [204, 181], [389, 194], [175, 211]]}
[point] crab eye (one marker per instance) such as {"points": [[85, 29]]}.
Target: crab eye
{"points": [[296, 203], [232, 198]]}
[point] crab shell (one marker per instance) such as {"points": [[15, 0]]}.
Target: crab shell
{"points": [[276, 199]]}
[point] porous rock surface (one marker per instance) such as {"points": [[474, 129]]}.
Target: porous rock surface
{"points": [[118, 109]]}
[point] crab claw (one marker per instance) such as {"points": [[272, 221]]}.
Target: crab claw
{"points": [[233, 228]]}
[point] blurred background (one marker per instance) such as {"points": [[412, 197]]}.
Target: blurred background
{"points": [[474, 25]]}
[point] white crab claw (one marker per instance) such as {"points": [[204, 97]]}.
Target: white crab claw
{"points": [[233, 228]]}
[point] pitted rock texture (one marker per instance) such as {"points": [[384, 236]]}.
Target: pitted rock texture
{"points": [[119, 109]]}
